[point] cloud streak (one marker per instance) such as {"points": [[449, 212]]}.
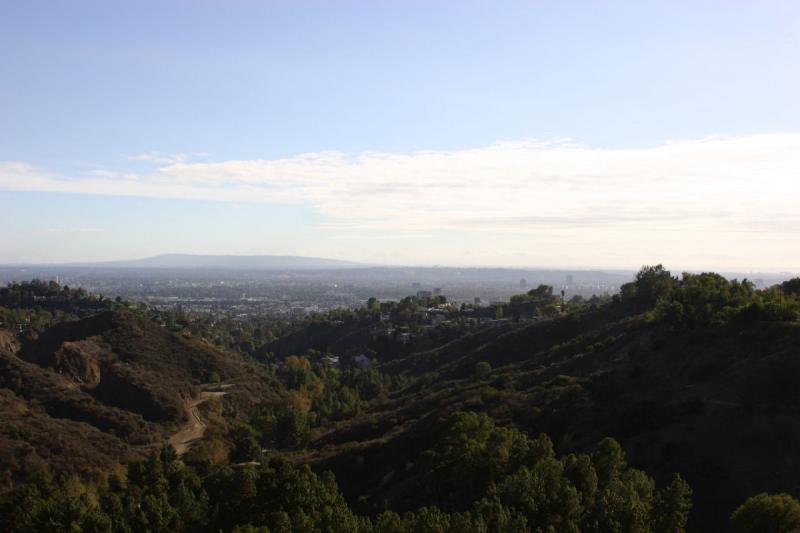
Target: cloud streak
{"points": [[159, 158], [729, 183]]}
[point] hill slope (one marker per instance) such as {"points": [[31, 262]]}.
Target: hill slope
{"points": [[110, 386], [717, 405], [698, 375]]}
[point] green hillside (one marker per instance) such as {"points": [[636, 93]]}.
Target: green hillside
{"points": [[673, 401]]}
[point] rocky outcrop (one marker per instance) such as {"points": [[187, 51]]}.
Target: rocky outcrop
{"points": [[79, 360]]}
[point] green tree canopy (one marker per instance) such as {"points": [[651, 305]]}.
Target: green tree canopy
{"points": [[767, 513]]}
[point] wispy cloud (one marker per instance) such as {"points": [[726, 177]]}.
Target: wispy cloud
{"points": [[159, 158], [721, 183]]}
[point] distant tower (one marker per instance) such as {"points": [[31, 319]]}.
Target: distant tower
{"points": [[523, 283], [569, 280]]}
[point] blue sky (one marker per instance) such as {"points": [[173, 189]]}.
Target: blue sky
{"points": [[339, 128]]}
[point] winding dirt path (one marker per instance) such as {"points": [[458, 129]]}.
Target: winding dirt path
{"points": [[195, 428]]}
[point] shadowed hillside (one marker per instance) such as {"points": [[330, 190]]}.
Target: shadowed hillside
{"points": [[432, 417], [700, 376]]}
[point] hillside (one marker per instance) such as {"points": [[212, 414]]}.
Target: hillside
{"points": [[674, 400], [711, 394], [111, 387], [715, 408]]}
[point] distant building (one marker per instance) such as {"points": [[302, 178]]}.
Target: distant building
{"points": [[424, 294], [477, 301], [437, 291], [569, 280], [331, 361], [523, 284]]}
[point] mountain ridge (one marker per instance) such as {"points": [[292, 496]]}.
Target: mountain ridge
{"points": [[231, 261], [213, 262]]}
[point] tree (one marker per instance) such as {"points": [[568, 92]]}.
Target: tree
{"points": [[388, 522], [472, 452], [543, 496], [791, 287], [373, 304], [483, 370], [706, 299], [245, 443], [581, 473], [542, 292], [651, 284], [672, 506], [295, 371], [609, 460], [292, 427], [767, 513]]}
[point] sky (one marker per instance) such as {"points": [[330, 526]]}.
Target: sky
{"points": [[504, 133]]}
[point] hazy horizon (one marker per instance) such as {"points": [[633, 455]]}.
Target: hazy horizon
{"points": [[348, 264]]}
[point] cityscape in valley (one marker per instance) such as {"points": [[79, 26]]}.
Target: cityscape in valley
{"points": [[285, 292], [231, 289], [340, 266]]}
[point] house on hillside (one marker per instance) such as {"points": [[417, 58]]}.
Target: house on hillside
{"points": [[331, 361]]}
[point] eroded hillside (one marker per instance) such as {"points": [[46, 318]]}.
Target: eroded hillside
{"points": [[102, 390]]}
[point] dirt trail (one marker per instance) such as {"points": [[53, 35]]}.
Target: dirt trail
{"points": [[195, 428]]}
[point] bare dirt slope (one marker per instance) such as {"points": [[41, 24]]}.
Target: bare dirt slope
{"points": [[195, 428]]}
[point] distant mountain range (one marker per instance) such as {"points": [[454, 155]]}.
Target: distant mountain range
{"points": [[230, 262]]}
